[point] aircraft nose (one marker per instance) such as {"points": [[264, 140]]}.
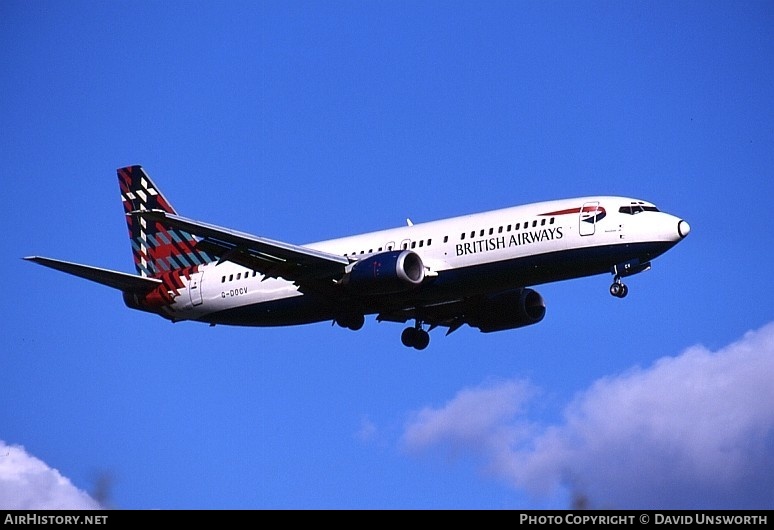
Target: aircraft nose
{"points": [[683, 228]]}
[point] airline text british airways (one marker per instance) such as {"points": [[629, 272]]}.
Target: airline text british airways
{"points": [[496, 243]]}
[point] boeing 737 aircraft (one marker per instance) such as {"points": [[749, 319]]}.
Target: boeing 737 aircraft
{"points": [[474, 269]]}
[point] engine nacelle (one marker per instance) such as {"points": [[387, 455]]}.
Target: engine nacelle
{"points": [[509, 310], [387, 272]]}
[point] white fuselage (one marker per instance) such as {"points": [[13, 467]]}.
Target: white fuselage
{"points": [[565, 238]]}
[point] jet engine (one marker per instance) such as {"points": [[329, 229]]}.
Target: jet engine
{"points": [[387, 272], [508, 310]]}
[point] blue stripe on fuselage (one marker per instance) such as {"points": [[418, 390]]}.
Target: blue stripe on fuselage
{"points": [[451, 284]]}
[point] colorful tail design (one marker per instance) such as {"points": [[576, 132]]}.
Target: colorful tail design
{"points": [[157, 249]]}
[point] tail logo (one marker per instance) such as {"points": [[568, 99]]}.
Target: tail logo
{"points": [[157, 249]]}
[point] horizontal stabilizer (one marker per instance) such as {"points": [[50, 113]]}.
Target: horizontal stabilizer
{"points": [[128, 283]]}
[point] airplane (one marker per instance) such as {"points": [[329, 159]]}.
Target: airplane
{"points": [[477, 269]]}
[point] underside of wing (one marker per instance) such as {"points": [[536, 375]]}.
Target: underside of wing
{"points": [[505, 310], [449, 314], [271, 258]]}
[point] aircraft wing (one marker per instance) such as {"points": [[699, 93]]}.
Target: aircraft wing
{"points": [[118, 280], [270, 258], [448, 314]]}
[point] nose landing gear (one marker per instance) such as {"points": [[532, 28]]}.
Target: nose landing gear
{"points": [[618, 288], [627, 268]]}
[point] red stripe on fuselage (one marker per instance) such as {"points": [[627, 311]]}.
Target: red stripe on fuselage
{"points": [[576, 210]]}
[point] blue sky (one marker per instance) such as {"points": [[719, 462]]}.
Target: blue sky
{"points": [[303, 121]]}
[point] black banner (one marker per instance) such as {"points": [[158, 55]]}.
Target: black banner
{"points": [[515, 517]]}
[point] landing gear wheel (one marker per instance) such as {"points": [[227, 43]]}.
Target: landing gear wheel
{"points": [[618, 289], [407, 337], [421, 340], [353, 322], [356, 322], [416, 338]]}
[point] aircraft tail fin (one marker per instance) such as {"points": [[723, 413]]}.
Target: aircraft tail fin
{"points": [[157, 248]]}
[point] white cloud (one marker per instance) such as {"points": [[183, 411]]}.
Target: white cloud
{"points": [[475, 420], [692, 431], [28, 483]]}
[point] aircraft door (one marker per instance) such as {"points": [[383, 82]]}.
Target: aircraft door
{"points": [[588, 218], [195, 288]]}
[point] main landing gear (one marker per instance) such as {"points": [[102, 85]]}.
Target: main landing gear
{"points": [[415, 337], [354, 321], [618, 288]]}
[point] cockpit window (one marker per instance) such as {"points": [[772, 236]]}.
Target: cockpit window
{"points": [[637, 207]]}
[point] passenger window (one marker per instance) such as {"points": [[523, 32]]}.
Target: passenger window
{"points": [[534, 223], [429, 241], [542, 222], [482, 233], [517, 226], [551, 221], [231, 277], [473, 233], [445, 239], [421, 242], [223, 280], [500, 230]]}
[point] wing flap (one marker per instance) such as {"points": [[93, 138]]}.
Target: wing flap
{"points": [[128, 283], [269, 257], [437, 314]]}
